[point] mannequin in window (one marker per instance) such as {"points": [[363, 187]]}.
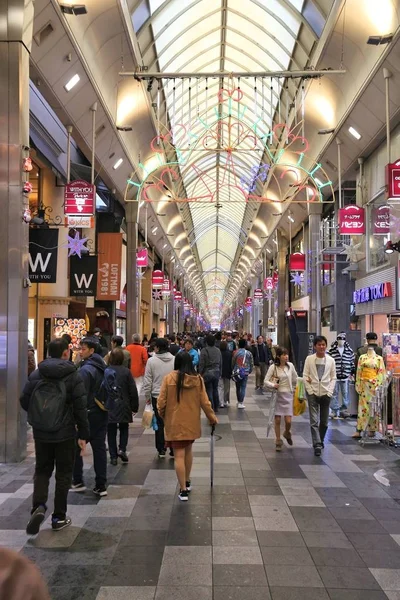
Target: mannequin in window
{"points": [[371, 373], [343, 356]]}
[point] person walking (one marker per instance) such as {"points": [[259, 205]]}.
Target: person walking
{"points": [[157, 367], [181, 397], [343, 356], [242, 366], [210, 367], [262, 357], [188, 347], [31, 358], [282, 377], [139, 358], [319, 376], [55, 400], [224, 384], [92, 369], [117, 341], [98, 335], [126, 404], [173, 346]]}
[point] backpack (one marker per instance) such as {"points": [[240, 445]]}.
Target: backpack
{"points": [[47, 406], [109, 393], [242, 366]]}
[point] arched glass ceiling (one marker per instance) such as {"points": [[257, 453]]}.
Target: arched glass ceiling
{"points": [[222, 36]]}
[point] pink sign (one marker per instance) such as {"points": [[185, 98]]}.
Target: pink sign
{"points": [[249, 301], [178, 296], [268, 284], [142, 259], [167, 286], [352, 220], [393, 180], [382, 220], [79, 198], [157, 279], [258, 294]]}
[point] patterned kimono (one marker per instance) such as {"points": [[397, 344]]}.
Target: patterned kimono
{"points": [[371, 373]]}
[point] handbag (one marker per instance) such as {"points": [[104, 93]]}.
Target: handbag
{"points": [[299, 403], [147, 418]]}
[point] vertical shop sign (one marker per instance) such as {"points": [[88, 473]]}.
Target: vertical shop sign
{"points": [[82, 276], [157, 279], [43, 250], [393, 180], [79, 198], [381, 217], [109, 271], [142, 258], [297, 262], [352, 220], [268, 284]]}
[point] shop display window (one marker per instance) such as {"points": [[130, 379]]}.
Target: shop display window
{"points": [[376, 256], [355, 321], [327, 317]]}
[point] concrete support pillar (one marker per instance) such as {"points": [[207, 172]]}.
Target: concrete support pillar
{"points": [[132, 283], [282, 289], [314, 317], [171, 303], [16, 17]]}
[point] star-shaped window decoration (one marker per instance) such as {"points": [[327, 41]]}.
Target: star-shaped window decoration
{"points": [[248, 308], [76, 245], [297, 278], [351, 250], [156, 294], [269, 295]]}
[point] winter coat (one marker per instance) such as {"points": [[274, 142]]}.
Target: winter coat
{"points": [[182, 419], [194, 354], [157, 367], [139, 358], [345, 365], [210, 361], [254, 349], [92, 373], [174, 349], [75, 412], [127, 358], [129, 401], [226, 364]]}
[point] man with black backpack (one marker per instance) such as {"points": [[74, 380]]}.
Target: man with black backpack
{"points": [[55, 400], [92, 370]]}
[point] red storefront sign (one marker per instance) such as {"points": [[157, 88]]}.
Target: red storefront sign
{"points": [[268, 284], [258, 294], [352, 220], [178, 296], [142, 258], [79, 198], [166, 286], [297, 262], [109, 248], [249, 301], [381, 216], [157, 280], [393, 180]]}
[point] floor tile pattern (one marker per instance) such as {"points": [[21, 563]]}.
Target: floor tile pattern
{"points": [[284, 526]]}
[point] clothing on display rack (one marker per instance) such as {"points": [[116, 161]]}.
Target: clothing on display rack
{"points": [[344, 359], [371, 373]]}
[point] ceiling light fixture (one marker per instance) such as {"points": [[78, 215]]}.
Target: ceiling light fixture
{"points": [[118, 163], [124, 128], [325, 131], [165, 245], [290, 218], [355, 133], [73, 9], [269, 251], [378, 40], [72, 82], [154, 230]]}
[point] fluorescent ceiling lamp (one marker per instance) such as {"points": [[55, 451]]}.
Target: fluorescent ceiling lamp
{"points": [[165, 245], [275, 242], [118, 163], [154, 230], [269, 251], [291, 218], [355, 133], [72, 82]]}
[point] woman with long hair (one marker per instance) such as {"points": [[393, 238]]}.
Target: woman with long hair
{"points": [[182, 395], [282, 376]]}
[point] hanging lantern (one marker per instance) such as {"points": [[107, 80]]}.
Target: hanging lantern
{"points": [[297, 262], [157, 280]]}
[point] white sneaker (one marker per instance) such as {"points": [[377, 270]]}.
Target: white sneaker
{"points": [[241, 405]]}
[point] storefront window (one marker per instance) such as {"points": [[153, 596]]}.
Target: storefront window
{"points": [[376, 242], [327, 317], [355, 321]]}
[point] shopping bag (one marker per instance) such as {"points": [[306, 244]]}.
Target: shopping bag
{"points": [[147, 418], [299, 403], [301, 389]]}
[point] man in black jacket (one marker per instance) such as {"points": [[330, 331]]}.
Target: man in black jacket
{"points": [[92, 370], [56, 447], [173, 346], [262, 359]]}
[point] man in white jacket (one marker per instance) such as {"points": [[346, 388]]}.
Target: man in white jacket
{"points": [[319, 376], [157, 367]]}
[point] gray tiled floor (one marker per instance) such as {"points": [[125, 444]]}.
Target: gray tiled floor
{"points": [[285, 526]]}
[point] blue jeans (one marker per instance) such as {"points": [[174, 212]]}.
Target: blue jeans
{"points": [[343, 386], [241, 389], [212, 391]]}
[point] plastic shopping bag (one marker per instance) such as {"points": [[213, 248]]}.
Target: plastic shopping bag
{"points": [[302, 391], [299, 403], [147, 418]]}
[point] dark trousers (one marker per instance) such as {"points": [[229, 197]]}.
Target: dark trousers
{"points": [[60, 454], [241, 389], [112, 438], [212, 392], [319, 414], [160, 440], [98, 430]]}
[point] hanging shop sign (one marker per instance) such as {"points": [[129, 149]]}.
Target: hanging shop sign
{"points": [[166, 287], [79, 198], [393, 180], [268, 284], [109, 271], [258, 294], [271, 322], [249, 302], [80, 222], [297, 262], [381, 216], [43, 250], [373, 292], [352, 220], [142, 258], [178, 296], [157, 280], [82, 276]]}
